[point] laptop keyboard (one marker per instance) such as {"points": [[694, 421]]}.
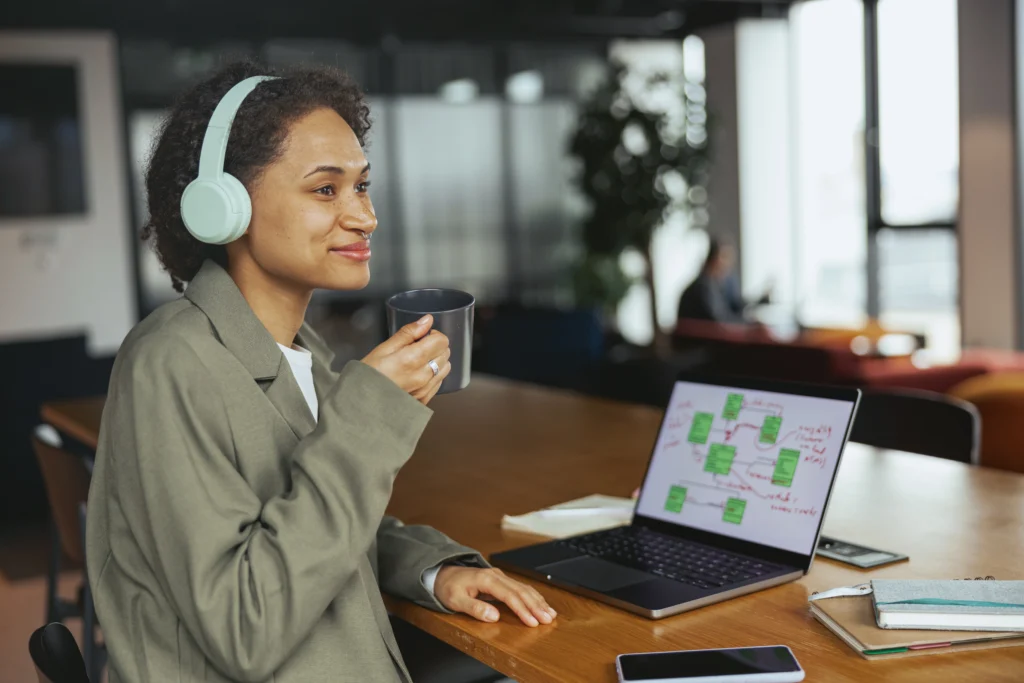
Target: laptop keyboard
{"points": [[673, 558]]}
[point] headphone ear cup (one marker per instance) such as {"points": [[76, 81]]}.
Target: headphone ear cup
{"points": [[241, 204], [216, 211]]}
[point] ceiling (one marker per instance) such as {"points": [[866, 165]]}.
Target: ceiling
{"points": [[371, 21]]}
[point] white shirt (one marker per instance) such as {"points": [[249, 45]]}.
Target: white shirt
{"points": [[301, 362]]}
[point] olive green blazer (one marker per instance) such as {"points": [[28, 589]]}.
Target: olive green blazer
{"points": [[230, 537]]}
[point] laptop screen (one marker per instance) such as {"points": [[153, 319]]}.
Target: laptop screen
{"points": [[752, 465]]}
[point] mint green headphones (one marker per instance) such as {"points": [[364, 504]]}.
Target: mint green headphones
{"points": [[215, 207]]}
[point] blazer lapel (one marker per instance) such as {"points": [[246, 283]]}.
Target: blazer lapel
{"points": [[286, 396], [214, 292]]}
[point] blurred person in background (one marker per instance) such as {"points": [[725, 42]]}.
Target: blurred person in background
{"points": [[714, 295]]}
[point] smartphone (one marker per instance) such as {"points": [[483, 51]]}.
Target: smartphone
{"points": [[858, 555], [771, 664]]}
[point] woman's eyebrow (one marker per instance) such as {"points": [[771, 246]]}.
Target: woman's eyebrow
{"points": [[326, 169], [334, 169]]}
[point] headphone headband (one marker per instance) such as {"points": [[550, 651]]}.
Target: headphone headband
{"points": [[215, 141], [215, 207]]}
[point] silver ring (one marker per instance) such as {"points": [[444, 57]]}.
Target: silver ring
{"points": [[434, 367]]}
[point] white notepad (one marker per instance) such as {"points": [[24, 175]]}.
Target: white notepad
{"points": [[619, 513]]}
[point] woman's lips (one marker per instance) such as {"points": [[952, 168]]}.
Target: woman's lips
{"points": [[356, 252]]}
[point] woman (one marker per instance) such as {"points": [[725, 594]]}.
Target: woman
{"points": [[236, 518]]}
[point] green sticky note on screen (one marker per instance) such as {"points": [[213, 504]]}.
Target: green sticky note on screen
{"points": [[720, 459], [733, 404], [701, 427], [785, 467], [770, 429], [734, 509], [676, 498]]}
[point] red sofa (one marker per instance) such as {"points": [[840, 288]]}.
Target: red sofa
{"points": [[752, 351]]}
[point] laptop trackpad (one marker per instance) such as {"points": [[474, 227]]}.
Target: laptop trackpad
{"points": [[594, 573]]}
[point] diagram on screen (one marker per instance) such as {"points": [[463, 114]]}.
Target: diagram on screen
{"points": [[747, 451], [754, 465]]}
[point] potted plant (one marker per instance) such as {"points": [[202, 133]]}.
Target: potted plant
{"points": [[641, 141]]}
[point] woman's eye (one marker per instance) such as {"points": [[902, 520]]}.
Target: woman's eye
{"points": [[363, 187], [326, 190]]}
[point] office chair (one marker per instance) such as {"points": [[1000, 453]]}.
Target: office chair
{"points": [[67, 486], [919, 422], [55, 654], [66, 477], [999, 398]]}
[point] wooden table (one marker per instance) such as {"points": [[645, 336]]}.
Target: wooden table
{"points": [[501, 448]]}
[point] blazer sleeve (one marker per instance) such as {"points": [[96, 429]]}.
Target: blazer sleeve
{"points": [[405, 552], [250, 579]]}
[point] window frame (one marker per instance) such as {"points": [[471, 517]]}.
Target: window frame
{"points": [[873, 167]]}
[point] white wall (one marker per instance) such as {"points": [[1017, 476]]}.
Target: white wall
{"points": [[989, 296], [72, 274]]}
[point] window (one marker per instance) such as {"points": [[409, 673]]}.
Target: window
{"points": [[919, 283], [918, 128], [830, 241], [449, 165], [918, 110], [544, 197], [911, 225]]}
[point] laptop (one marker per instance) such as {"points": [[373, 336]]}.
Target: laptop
{"points": [[733, 500]]}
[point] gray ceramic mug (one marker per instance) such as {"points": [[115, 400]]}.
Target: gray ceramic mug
{"points": [[453, 316]]}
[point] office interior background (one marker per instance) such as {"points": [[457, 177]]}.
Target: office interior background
{"points": [[863, 156]]}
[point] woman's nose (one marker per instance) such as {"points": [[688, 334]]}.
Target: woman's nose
{"points": [[362, 220]]}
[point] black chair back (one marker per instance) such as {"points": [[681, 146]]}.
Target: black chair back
{"points": [[919, 422], [56, 655]]}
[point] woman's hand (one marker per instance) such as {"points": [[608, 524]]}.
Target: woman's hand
{"points": [[405, 359], [460, 590]]}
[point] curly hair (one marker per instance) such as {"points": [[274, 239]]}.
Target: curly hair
{"points": [[257, 134]]}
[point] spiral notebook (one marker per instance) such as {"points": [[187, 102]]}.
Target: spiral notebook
{"points": [[852, 618], [949, 605]]}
